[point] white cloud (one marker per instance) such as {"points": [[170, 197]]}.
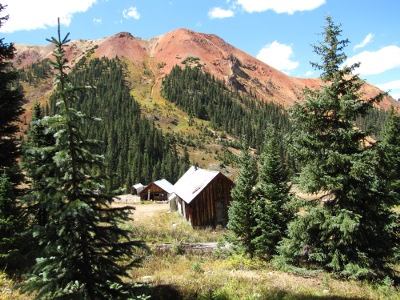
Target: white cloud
{"points": [[219, 13], [131, 12], [395, 96], [376, 62], [279, 6], [278, 56], [97, 21], [395, 84], [309, 73], [30, 15], [392, 87], [366, 41]]}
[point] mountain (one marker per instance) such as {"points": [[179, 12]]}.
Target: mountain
{"points": [[151, 59], [192, 116]]}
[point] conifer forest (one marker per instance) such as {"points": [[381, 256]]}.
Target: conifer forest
{"points": [[62, 237]]}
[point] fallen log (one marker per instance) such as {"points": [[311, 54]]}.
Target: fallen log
{"points": [[191, 248]]}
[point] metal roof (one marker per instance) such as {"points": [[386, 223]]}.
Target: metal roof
{"points": [[165, 185], [193, 182], [138, 185]]}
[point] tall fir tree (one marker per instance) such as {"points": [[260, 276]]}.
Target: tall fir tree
{"points": [[240, 213], [390, 149], [351, 233], [271, 207], [85, 252], [11, 99], [37, 162], [11, 225]]}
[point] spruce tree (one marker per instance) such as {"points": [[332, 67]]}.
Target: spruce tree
{"points": [[272, 199], [37, 162], [85, 253], [390, 149], [11, 99], [241, 219], [11, 225], [352, 231]]}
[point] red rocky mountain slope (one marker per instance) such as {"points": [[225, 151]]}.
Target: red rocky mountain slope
{"points": [[213, 54]]}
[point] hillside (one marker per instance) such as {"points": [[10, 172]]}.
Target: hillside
{"points": [[257, 91], [153, 58]]}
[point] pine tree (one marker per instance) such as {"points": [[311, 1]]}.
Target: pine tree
{"points": [[83, 244], [11, 99], [389, 150], [37, 162], [11, 225], [272, 199], [241, 219], [351, 232]]}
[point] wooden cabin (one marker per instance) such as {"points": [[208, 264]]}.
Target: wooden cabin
{"points": [[203, 197], [158, 190]]}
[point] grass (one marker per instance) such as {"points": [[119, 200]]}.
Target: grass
{"points": [[194, 277], [172, 228], [8, 290], [175, 275]]}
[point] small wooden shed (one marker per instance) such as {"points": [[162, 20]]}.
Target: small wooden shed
{"points": [[157, 190], [137, 188], [203, 197]]}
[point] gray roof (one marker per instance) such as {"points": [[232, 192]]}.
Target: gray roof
{"points": [[138, 185], [193, 182], [165, 185]]}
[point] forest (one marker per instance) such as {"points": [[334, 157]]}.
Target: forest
{"points": [[62, 235]]}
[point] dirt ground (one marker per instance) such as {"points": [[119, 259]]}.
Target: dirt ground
{"points": [[144, 210]]}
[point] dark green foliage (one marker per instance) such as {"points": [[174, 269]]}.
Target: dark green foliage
{"points": [[240, 213], [11, 100], [37, 162], [134, 149], [11, 226], [373, 122], [36, 72], [390, 149], [351, 232], [203, 96], [272, 199], [84, 252]]}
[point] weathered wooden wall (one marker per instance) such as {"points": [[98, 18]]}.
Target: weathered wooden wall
{"points": [[202, 210], [154, 189]]}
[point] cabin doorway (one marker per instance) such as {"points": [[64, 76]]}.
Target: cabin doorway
{"points": [[220, 212]]}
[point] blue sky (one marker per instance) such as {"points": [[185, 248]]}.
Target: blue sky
{"points": [[278, 32]]}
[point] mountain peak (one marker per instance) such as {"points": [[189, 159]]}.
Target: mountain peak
{"points": [[182, 47]]}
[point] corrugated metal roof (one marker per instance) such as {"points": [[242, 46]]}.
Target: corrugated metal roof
{"points": [[165, 185], [193, 182]]}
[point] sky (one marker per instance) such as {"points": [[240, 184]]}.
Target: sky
{"points": [[279, 32]]}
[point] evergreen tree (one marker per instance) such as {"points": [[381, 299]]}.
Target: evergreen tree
{"points": [[83, 245], [37, 162], [272, 200], [389, 151], [241, 219], [352, 231], [11, 225], [242, 115], [132, 145], [11, 99]]}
